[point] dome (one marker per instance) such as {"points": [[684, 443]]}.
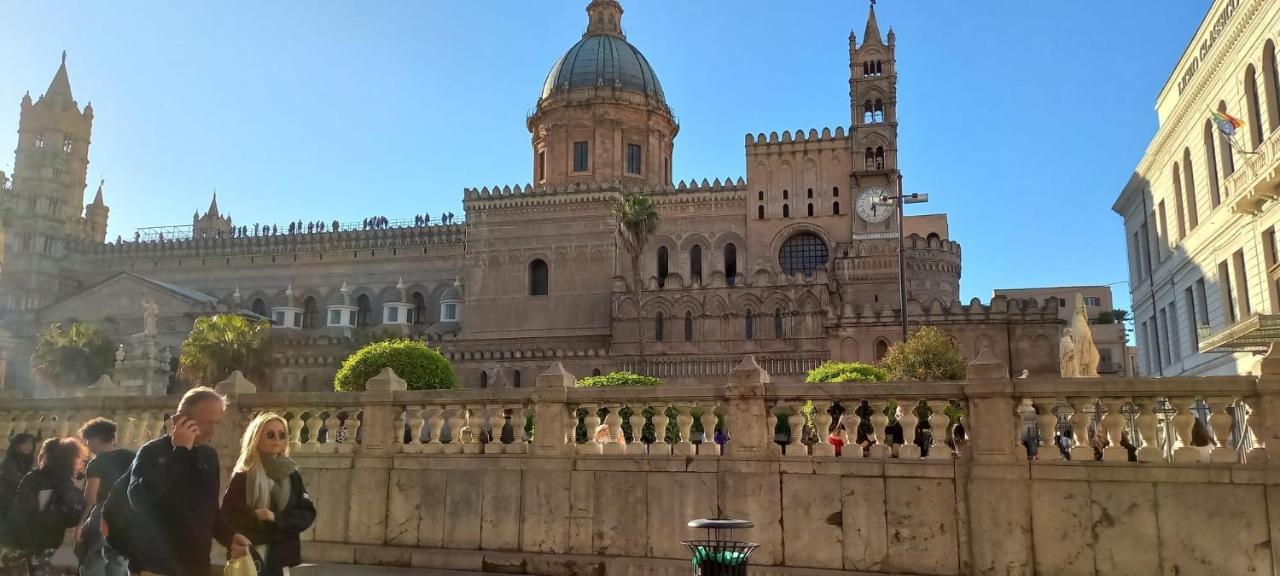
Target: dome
{"points": [[605, 61]]}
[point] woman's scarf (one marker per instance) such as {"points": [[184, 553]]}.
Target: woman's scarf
{"points": [[268, 483]]}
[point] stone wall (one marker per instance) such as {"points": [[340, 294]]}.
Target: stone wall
{"points": [[452, 480]]}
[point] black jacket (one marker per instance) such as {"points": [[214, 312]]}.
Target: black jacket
{"points": [[36, 528], [11, 473], [173, 492], [281, 535]]}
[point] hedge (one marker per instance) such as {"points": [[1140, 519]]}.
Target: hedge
{"points": [[421, 367]]}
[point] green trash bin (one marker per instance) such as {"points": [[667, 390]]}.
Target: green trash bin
{"points": [[718, 554]]}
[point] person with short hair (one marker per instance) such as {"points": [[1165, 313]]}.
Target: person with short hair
{"points": [[47, 503], [19, 458], [173, 494], [266, 499], [109, 463]]}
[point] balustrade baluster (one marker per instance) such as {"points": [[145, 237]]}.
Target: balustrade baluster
{"points": [[1250, 421], [329, 425], [346, 438], [613, 420], [1183, 422], [475, 426], [1148, 422], [771, 420], [1113, 423], [908, 420], [684, 425], [1047, 430], [637, 445], [412, 443], [938, 449], [519, 444], [1220, 420], [708, 421], [851, 422], [434, 428], [660, 421], [795, 427], [591, 423], [313, 431], [1082, 450], [497, 420], [295, 429], [879, 421], [456, 420], [822, 425]]}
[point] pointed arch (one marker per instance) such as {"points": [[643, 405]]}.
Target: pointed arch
{"points": [[688, 326], [539, 278], [310, 313], [663, 265], [881, 349]]}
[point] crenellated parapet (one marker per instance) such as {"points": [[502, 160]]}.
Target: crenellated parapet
{"points": [[527, 195], [439, 235], [999, 309], [760, 141]]}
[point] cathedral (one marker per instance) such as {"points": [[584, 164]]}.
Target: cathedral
{"points": [[796, 263]]}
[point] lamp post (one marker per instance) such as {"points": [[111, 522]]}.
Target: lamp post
{"points": [[899, 200]]}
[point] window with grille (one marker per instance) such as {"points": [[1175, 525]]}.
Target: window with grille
{"points": [[803, 254], [581, 157]]}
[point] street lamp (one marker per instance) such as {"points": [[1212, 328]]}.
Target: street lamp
{"points": [[899, 200]]}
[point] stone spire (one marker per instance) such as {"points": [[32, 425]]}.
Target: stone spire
{"points": [[872, 33], [604, 18], [97, 198], [60, 88], [213, 206]]}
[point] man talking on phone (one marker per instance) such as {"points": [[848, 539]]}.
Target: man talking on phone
{"points": [[173, 493]]}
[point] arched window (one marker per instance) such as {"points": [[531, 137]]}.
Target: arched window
{"points": [[868, 112], [1177, 200], [760, 196], [310, 313], [786, 194], [659, 326], [1271, 83], [882, 349], [810, 193], [1211, 162], [363, 310], [879, 111], [259, 307], [515, 379], [484, 379], [1255, 106], [419, 308], [835, 208], [595, 372], [879, 158], [730, 264], [695, 263], [777, 322], [835, 192], [803, 253], [786, 211], [539, 278], [662, 266], [933, 239], [1224, 144], [750, 325], [870, 161], [760, 212], [811, 209], [1189, 186], [688, 326]]}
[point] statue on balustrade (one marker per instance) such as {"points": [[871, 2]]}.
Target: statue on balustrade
{"points": [[149, 313], [1077, 355]]}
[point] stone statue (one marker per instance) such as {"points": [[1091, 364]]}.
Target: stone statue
{"points": [[149, 313], [1077, 355]]}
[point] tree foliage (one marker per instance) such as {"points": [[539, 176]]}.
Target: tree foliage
{"points": [[223, 343], [928, 354], [832, 371], [637, 218], [422, 367], [75, 355], [622, 378]]}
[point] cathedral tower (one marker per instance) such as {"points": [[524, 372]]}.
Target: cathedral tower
{"points": [[873, 99], [43, 205]]}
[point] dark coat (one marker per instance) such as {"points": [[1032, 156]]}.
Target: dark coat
{"points": [[173, 492], [36, 528], [281, 535], [11, 473]]}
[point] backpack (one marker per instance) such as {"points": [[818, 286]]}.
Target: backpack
{"points": [[117, 513]]}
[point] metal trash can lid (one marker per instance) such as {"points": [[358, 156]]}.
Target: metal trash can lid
{"points": [[720, 524]]}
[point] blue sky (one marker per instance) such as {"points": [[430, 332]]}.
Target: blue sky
{"points": [[1021, 119]]}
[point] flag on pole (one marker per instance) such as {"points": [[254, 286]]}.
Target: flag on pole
{"points": [[1227, 124]]}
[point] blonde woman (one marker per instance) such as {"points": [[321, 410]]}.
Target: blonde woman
{"points": [[265, 499]]}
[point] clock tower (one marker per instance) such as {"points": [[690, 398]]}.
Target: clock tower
{"points": [[873, 101]]}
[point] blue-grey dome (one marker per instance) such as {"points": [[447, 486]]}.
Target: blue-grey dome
{"points": [[604, 61]]}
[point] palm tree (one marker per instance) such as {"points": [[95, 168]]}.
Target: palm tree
{"points": [[637, 218], [223, 343], [75, 355]]}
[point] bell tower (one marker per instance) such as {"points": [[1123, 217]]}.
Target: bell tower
{"points": [[43, 206], [873, 103]]}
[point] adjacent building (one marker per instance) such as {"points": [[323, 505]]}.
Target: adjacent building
{"points": [[1199, 210], [1108, 329], [796, 263]]}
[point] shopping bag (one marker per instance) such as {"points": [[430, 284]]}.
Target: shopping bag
{"points": [[242, 566]]}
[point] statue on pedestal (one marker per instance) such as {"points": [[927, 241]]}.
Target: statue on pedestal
{"points": [[149, 313], [1077, 355]]}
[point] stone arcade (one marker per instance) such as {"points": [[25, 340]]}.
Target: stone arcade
{"points": [[796, 263]]}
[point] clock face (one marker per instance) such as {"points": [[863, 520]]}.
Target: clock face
{"points": [[870, 208]]}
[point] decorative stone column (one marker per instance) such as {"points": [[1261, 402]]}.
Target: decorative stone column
{"points": [[550, 425], [998, 485]]}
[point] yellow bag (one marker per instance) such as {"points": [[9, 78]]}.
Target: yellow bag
{"points": [[242, 566]]}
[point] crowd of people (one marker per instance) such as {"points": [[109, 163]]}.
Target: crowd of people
{"points": [[157, 511], [313, 227]]}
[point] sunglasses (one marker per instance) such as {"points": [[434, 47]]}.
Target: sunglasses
{"points": [[273, 435]]}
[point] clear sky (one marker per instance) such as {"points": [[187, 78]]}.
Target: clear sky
{"points": [[1022, 119]]}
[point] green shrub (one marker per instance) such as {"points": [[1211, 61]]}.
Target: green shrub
{"points": [[618, 379], [832, 371], [421, 366], [929, 354]]}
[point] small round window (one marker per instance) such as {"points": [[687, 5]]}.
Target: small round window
{"points": [[803, 254]]}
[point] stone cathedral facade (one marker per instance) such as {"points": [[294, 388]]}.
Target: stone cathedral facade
{"points": [[796, 263]]}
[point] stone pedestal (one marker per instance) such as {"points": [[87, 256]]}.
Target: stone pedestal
{"points": [[551, 391], [749, 435], [142, 371]]}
